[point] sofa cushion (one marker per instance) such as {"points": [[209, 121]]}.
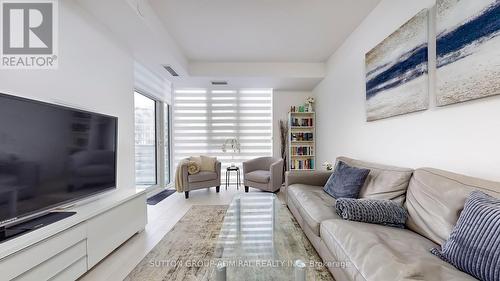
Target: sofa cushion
{"points": [[435, 199], [202, 176], [384, 253], [259, 176], [346, 181], [383, 182], [474, 243], [313, 204]]}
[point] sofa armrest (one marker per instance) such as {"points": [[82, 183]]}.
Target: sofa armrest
{"points": [[316, 178]]}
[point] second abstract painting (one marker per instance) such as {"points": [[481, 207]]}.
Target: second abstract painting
{"points": [[468, 50]]}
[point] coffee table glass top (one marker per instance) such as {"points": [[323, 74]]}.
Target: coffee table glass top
{"points": [[254, 242]]}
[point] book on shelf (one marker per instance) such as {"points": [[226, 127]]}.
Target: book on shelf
{"points": [[302, 150], [302, 122], [306, 164], [302, 136]]}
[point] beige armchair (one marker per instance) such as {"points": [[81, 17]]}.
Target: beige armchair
{"points": [[264, 173], [203, 179]]}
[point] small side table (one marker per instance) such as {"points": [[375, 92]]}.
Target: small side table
{"points": [[228, 175]]}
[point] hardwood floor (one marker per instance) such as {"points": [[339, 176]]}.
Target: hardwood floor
{"points": [[161, 218]]}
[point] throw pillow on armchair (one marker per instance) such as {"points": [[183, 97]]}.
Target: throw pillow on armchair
{"points": [[193, 167], [208, 163]]}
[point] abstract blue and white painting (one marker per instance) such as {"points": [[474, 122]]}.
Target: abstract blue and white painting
{"points": [[468, 50], [397, 71]]}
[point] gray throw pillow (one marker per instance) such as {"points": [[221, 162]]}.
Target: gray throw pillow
{"points": [[385, 212], [346, 181], [474, 243]]}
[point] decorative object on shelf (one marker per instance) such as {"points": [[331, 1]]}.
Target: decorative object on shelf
{"points": [[328, 166], [467, 50], [231, 145], [397, 71], [284, 144], [309, 103]]}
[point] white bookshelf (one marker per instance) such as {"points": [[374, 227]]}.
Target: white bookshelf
{"points": [[302, 141]]}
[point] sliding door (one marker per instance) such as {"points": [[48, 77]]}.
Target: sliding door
{"points": [[145, 141]]}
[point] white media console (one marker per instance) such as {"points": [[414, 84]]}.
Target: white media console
{"points": [[67, 249]]}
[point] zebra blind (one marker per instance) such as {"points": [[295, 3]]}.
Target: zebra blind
{"points": [[204, 119]]}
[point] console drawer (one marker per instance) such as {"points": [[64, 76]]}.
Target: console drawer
{"points": [[73, 272], [109, 230], [33, 256], [57, 264]]}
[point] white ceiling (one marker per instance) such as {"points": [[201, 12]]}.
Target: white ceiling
{"points": [[279, 44], [260, 30]]}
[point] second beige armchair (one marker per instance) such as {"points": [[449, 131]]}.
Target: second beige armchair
{"points": [[264, 173]]}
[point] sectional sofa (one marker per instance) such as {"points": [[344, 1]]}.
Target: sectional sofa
{"points": [[433, 199]]}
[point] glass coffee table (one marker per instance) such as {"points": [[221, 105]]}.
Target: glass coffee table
{"points": [[258, 241]]}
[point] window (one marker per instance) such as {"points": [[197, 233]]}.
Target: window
{"points": [[145, 140], [204, 119]]}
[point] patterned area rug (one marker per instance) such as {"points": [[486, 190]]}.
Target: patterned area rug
{"points": [[187, 251]]}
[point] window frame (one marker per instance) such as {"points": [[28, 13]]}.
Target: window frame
{"points": [[167, 146]]}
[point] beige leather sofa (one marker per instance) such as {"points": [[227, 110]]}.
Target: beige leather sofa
{"points": [[361, 251]]}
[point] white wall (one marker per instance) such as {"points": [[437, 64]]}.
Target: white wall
{"points": [[94, 74], [282, 101], [463, 138]]}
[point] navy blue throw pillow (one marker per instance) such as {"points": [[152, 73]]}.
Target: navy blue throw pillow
{"points": [[474, 243], [346, 181]]}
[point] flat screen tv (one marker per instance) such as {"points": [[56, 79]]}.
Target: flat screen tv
{"points": [[51, 155]]}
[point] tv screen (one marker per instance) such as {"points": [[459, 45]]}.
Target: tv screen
{"points": [[52, 155]]}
